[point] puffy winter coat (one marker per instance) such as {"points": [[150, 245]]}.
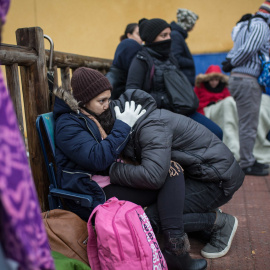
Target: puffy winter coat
{"points": [[160, 136], [81, 152]]}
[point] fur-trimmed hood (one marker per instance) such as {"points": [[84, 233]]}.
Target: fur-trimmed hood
{"points": [[64, 102], [67, 97], [211, 72]]}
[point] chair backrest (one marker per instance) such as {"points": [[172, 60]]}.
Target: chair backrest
{"points": [[56, 193], [48, 123]]}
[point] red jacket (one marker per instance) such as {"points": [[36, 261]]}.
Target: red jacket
{"points": [[206, 96]]}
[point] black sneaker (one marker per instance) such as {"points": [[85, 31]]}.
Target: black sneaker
{"points": [[222, 235], [260, 165], [256, 169]]}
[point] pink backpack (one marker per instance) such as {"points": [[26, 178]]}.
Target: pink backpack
{"points": [[124, 238]]}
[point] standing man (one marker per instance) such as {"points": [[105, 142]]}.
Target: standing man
{"points": [[186, 20], [250, 36]]}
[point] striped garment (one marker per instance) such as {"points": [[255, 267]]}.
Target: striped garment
{"points": [[247, 43]]}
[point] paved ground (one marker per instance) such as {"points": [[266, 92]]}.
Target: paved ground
{"points": [[251, 245]]}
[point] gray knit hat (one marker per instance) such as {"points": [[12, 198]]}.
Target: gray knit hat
{"points": [[150, 29], [88, 83], [186, 18]]}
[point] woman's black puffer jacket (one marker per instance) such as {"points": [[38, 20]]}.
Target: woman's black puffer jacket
{"points": [[160, 136]]}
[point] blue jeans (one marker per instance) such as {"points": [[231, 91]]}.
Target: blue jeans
{"points": [[201, 200], [200, 118]]}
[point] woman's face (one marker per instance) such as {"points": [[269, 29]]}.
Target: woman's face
{"points": [[135, 35], [100, 103], [164, 35], [214, 82]]}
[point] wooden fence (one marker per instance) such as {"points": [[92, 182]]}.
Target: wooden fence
{"points": [[26, 67]]}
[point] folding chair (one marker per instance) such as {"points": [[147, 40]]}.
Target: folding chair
{"points": [[56, 193]]}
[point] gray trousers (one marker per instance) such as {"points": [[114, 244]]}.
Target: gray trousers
{"points": [[247, 94]]}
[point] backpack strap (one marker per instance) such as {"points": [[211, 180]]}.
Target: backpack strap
{"points": [[256, 16], [261, 56], [152, 74], [92, 250]]}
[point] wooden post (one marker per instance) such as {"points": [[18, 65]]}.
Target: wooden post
{"points": [[65, 77], [36, 101], [13, 84]]}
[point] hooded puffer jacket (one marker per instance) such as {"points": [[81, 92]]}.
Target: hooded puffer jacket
{"points": [[80, 150], [207, 96], [160, 136]]}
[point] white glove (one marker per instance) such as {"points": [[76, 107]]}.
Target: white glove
{"points": [[129, 115]]}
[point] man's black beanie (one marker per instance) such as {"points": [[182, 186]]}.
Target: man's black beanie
{"points": [[150, 29]]}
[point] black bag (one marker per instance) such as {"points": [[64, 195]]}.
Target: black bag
{"points": [[180, 92]]}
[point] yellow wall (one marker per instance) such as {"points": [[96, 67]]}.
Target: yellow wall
{"points": [[93, 27]]}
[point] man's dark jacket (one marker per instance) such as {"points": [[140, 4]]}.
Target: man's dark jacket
{"points": [[181, 52]]}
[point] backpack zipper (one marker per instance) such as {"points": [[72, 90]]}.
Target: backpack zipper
{"points": [[118, 240], [134, 239]]}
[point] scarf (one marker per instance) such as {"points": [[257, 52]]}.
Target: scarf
{"points": [[163, 48], [100, 128]]}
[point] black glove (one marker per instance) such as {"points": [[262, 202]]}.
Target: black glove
{"points": [[227, 66]]}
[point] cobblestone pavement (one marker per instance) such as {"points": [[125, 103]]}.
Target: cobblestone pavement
{"points": [[250, 248]]}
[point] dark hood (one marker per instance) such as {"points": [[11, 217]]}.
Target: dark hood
{"points": [[178, 28], [125, 52], [140, 97]]}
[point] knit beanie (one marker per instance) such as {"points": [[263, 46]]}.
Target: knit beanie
{"points": [[265, 7], [186, 18], [88, 83], [150, 29]]}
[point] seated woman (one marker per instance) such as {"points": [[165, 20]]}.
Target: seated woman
{"points": [[147, 68], [217, 104], [211, 87], [85, 152], [126, 50]]}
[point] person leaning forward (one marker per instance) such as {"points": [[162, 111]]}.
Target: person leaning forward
{"points": [[212, 175]]}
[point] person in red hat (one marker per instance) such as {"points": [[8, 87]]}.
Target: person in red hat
{"points": [[211, 87]]}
